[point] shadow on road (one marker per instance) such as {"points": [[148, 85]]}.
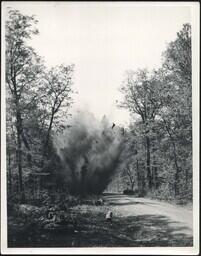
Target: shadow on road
{"points": [[152, 230], [126, 203], [94, 231], [117, 200]]}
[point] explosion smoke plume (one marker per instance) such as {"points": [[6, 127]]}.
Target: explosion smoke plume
{"points": [[89, 151]]}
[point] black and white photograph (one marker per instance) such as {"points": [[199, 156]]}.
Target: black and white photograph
{"points": [[100, 127]]}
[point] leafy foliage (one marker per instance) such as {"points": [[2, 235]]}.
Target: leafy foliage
{"points": [[162, 99], [35, 100]]}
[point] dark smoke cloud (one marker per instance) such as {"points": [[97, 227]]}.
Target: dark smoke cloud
{"points": [[89, 151]]}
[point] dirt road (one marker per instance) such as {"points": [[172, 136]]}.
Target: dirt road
{"points": [[178, 219], [137, 222]]}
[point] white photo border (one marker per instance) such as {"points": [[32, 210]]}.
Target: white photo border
{"points": [[195, 16]]}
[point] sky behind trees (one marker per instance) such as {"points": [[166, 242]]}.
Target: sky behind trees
{"points": [[103, 40]]}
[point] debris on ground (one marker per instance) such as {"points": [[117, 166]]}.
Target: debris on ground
{"points": [[27, 209], [99, 202]]}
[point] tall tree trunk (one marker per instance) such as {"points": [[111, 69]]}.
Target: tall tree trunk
{"points": [[138, 176], [46, 144], [148, 161], [176, 183], [129, 173], [186, 179], [143, 184], [132, 185], [176, 187], [9, 172], [131, 182], [19, 156], [154, 171], [156, 177]]}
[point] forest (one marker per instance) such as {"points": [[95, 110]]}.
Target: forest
{"points": [[57, 158]]}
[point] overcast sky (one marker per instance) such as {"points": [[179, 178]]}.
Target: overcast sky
{"points": [[103, 40]]}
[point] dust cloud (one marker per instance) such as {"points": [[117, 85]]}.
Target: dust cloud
{"points": [[89, 150]]}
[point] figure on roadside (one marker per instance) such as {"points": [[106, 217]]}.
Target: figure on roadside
{"points": [[108, 216]]}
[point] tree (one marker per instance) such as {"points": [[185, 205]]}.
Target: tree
{"points": [[23, 70], [11, 142], [163, 101], [129, 173], [140, 92], [56, 99], [176, 114]]}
